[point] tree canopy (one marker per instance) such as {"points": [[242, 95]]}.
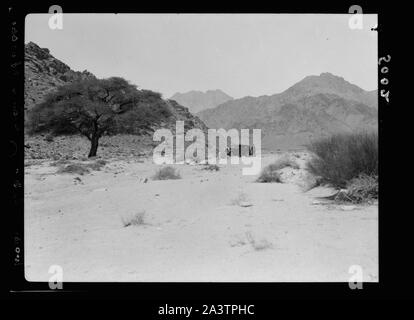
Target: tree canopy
{"points": [[94, 107]]}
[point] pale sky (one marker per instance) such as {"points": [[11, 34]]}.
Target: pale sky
{"points": [[241, 54]]}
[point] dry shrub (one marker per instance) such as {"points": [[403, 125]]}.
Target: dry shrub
{"points": [[342, 157], [269, 174], [79, 168], [166, 173], [136, 219]]}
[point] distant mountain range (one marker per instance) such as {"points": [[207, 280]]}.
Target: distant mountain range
{"points": [[197, 101], [44, 73], [316, 106]]}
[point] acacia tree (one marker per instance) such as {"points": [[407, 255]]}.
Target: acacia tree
{"points": [[88, 107]]}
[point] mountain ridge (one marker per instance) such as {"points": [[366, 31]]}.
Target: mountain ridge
{"points": [[314, 107]]}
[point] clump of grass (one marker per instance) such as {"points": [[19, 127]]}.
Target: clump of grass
{"points": [[167, 173], [269, 174], [74, 169], [343, 157], [78, 168], [136, 219]]}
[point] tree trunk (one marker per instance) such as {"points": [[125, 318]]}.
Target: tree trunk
{"points": [[94, 146]]}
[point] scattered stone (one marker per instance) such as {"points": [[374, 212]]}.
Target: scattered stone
{"points": [[245, 204], [77, 180]]}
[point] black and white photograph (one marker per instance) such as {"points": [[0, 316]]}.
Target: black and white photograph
{"points": [[201, 147], [211, 160]]}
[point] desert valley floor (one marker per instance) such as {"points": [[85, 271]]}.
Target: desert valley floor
{"points": [[207, 226]]}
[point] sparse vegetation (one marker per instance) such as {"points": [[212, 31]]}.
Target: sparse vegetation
{"points": [[136, 219], [343, 157], [268, 174], [167, 173], [348, 162], [79, 168]]}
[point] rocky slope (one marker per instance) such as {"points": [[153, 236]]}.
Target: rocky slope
{"points": [[197, 101], [43, 73], [314, 107]]}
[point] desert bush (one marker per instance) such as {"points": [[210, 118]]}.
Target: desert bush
{"points": [[269, 174], [134, 220], [78, 168], [342, 157], [166, 173]]}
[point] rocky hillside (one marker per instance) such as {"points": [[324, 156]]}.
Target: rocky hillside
{"points": [[44, 73], [197, 101], [314, 107]]}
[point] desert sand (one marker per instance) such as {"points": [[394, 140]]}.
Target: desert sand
{"points": [[208, 226]]}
